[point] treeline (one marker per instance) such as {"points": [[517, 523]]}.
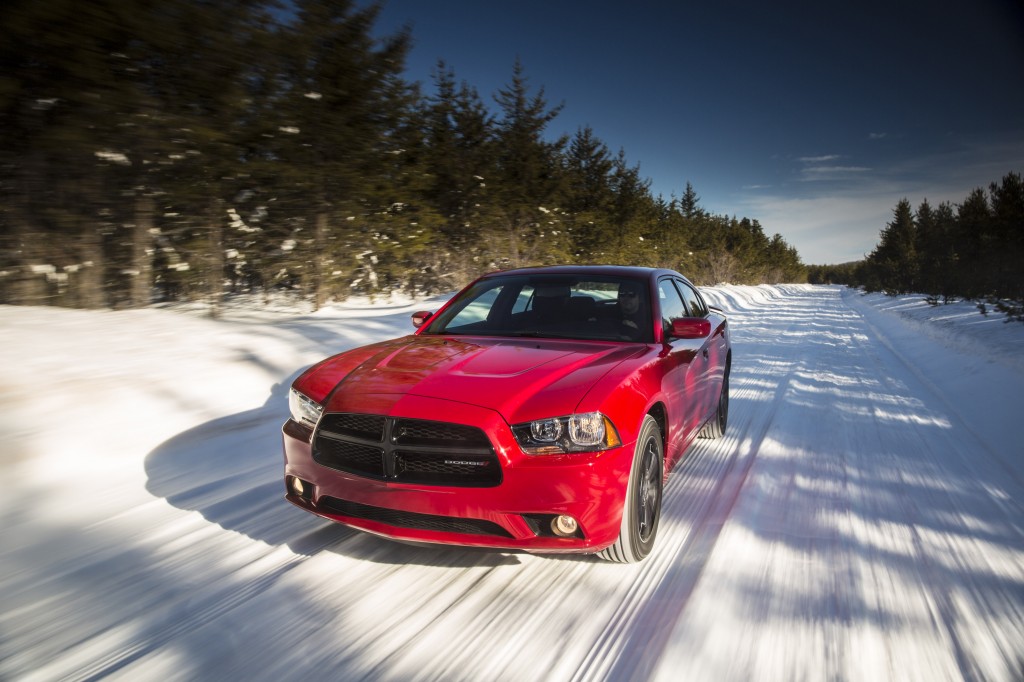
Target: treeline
{"points": [[972, 250], [184, 149]]}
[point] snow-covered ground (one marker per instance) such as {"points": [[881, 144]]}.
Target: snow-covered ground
{"points": [[863, 518]]}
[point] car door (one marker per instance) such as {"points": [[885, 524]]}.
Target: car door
{"points": [[685, 367], [714, 348]]}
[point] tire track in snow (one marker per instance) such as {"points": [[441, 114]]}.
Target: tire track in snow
{"points": [[188, 542], [232, 586], [217, 600], [934, 391], [939, 584], [632, 644], [788, 361]]}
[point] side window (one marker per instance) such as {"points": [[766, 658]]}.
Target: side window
{"points": [[524, 300], [476, 312], [672, 306], [693, 300]]}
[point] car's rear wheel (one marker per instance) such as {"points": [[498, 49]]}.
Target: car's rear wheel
{"points": [[716, 427], [642, 508]]}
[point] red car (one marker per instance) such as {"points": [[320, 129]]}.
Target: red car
{"points": [[540, 409]]}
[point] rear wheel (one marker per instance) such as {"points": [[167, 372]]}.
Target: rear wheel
{"points": [[716, 427], [642, 508]]}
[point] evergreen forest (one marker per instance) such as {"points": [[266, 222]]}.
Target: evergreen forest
{"points": [[185, 150], [971, 250]]}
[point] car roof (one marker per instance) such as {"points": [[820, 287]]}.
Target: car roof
{"points": [[613, 270]]}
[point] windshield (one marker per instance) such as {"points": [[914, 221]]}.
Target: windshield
{"points": [[551, 306]]}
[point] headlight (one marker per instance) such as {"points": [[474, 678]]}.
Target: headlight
{"points": [[304, 410], [588, 432]]}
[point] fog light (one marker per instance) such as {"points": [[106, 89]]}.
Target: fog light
{"points": [[565, 526], [300, 488]]}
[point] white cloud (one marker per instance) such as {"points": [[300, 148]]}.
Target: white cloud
{"points": [[840, 221], [814, 173]]}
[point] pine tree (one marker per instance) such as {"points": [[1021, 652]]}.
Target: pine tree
{"points": [[200, 84], [529, 179], [61, 107], [459, 158], [589, 194], [1007, 256], [894, 260], [333, 114], [632, 216], [689, 205], [944, 251], [588, 166], [930, 247], [782, 263], [974, 239]]}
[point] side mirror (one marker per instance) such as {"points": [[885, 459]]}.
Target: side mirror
{"points": [[420, 318], [690, 328]]}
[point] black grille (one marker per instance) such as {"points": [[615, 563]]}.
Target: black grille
{"points": [[402, 519], [439, 434], [406, 450], [368, 426], [440, 469], [354, 457]]}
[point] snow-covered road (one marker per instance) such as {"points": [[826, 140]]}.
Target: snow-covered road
{"points": [[863, 518]]}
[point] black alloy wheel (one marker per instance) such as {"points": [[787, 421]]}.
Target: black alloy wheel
{"points": [[641, 510]]}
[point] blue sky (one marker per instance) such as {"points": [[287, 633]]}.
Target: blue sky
{"points": [[812, 118]]}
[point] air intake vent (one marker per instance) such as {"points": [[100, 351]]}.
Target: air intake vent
{"points": [[402, 519]]}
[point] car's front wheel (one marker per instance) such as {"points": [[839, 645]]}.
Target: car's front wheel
{"points": [[642, 508]]}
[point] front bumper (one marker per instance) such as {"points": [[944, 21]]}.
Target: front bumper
{"points": [[515, 514]]}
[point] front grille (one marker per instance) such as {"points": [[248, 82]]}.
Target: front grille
{"points": [[368, 426], [439, 434], [354, 457], [413, 520], [415, 451]]}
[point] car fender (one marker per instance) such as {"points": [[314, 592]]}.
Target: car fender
{"points": [[321, 379], [626, 394]]}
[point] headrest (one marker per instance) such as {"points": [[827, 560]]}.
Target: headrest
{"points": [[552, 291]]}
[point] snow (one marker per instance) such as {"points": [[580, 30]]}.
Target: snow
{"points": [[114, 157], [861, 519]]}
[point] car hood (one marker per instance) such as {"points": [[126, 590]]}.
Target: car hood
{"points": [[521, 379]]}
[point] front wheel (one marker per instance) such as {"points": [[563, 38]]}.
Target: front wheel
{"points": [[641, 510]]}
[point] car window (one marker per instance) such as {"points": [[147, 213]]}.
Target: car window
{"points": [[693, 300], [476, 311], [672, 306], [568, 306], [524, 300]]}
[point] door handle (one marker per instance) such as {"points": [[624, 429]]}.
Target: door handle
{"points": [[705, 353]]}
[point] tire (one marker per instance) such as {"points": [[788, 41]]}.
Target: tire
{"points": [[715, 428], [641, 510]]}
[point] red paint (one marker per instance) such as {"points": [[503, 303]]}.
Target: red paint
{"points": [[493, 382]]}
